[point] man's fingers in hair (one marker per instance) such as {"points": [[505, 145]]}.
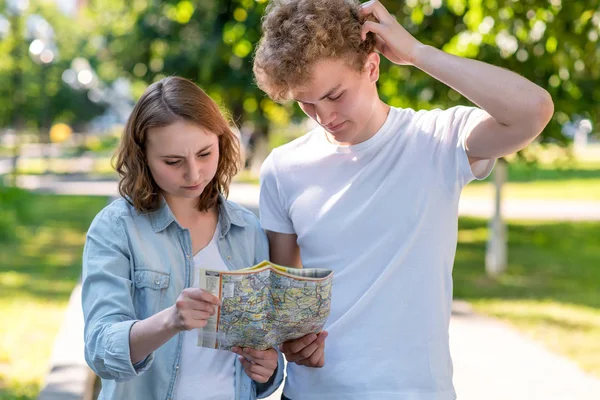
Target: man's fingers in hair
{"points": [[375, 8]]}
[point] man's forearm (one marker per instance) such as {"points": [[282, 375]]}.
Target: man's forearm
{"points": [[284, 249], [509, 98]]}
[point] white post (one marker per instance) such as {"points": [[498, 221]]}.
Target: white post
{"points": [[496, 251]]}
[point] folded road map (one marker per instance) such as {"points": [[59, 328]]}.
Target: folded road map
{"points": [[265, 305]]}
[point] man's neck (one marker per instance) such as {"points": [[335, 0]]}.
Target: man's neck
{"points": [[378, 118], [374, 123]]}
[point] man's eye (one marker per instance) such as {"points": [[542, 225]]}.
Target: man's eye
{"points": [[172, 162], [337, 97]]}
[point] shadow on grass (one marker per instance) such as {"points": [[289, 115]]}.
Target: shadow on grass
{"points": [[43, 257], [558, 261]]}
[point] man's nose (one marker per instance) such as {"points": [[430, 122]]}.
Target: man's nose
{"points": [[325, 114]]}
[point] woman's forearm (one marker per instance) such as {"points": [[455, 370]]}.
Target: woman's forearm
{"points": [[149, 334]]}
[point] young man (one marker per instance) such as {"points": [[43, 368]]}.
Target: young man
{"points": [[372, 193]]}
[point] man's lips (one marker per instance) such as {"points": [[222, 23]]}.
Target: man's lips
{"points": [[334, 127]]}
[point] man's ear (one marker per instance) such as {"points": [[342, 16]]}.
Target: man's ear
{"points": [[372, 66]]}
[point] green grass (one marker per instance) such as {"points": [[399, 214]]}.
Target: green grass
{"points": [[39, 266], [551, 289]]}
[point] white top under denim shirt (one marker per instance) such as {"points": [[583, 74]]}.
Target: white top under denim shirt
{"points": [[216, 367], [132, 269]]}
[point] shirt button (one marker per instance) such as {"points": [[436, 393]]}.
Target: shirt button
{"points": [[229, 257], [177, 367], [157, 283]]}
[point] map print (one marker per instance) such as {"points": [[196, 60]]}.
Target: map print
{"points": [[265, 305]]}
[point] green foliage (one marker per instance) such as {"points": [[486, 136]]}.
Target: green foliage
{"points": [[552, 43], [209, 42], [33, 96], [14, 209]]}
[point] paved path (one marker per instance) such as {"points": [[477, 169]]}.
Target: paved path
{"points": [[494, 362], [70, 378]]}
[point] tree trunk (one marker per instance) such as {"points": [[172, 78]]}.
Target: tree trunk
{"points": [[496, 251], [17, 89]]}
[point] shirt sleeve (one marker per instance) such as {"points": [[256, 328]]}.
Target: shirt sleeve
{"points": [[108, 318], [274, 214], [261, 243], [450, 129]]}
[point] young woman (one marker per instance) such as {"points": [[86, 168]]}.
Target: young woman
{"points": [[141, 300]]}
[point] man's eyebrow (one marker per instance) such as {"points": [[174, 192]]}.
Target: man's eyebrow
{"points": [[329, 93], [332, 91], [176, 156]]}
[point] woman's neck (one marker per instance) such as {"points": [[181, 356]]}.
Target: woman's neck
{"points": [[186, 211]]}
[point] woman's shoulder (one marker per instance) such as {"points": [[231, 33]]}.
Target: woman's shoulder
{"points": [[117, 208], [110, 216], [240, 214]]}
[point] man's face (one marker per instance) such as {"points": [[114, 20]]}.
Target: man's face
{"points": [[341, 99], [182, 158]]}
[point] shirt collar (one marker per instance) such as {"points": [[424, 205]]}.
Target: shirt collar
{"points": [[228, 215]]}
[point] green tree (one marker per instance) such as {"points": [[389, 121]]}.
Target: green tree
{"points": [[209, 42], [553, 43], [33, 95]]}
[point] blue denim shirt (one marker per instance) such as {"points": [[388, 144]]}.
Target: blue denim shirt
{"points": [[137, 264]]}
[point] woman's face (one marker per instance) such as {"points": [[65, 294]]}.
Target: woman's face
{"points": [[182, 158]]}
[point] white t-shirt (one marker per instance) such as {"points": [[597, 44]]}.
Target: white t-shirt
{"points": [[383, 215], [205, 373]]}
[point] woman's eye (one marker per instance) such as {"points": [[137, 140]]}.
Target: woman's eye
{"points": [[204, 154], [172, 162]]}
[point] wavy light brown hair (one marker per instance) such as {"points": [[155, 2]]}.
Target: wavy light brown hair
{"points": [[298, 33], [165, 102]]}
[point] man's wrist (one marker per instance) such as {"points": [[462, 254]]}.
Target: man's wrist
{"points": [[421, 54]]}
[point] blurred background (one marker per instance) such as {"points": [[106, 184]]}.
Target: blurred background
{"points": [[70, 71]]}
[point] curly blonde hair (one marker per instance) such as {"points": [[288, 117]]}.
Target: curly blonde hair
{"points": [[165, 102], [298, 33]]}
